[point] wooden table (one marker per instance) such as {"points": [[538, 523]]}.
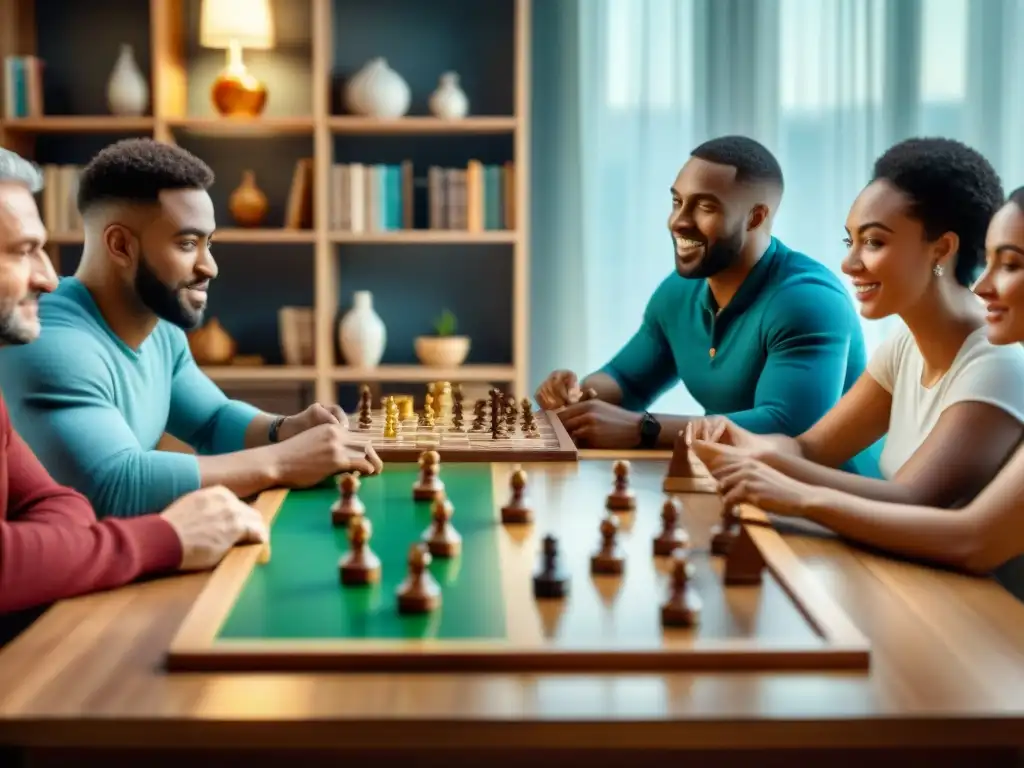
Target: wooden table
{"points": [[947, 680]]}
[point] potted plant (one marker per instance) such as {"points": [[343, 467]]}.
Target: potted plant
{"points": [[444, 349]]}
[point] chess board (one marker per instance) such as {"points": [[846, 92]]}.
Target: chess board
{"points": [[286, 608], [552, 443]]}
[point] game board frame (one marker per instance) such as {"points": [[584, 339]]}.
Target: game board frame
{"points": [[566, 449], [842, 646]]}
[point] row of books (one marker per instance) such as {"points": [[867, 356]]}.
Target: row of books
{"points": [[381, 197], [23, 86], [58, 201]]}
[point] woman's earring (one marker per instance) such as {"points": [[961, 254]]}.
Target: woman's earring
{"points": [[938, 270]]}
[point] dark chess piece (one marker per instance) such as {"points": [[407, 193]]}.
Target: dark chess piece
{"points": [[419, 592], [551, 581], [360, 565], [441, 537], [724, 534], [457, 422], [683, 607], [672, 535], [622, 498], [365, 408], [348, 506], [609, 557]]}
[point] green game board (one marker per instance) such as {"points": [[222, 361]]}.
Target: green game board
{"points": [[298, 594]]}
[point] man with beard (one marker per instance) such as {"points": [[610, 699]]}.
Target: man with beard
{"points": [[112, 371], [51, 544], [752, 329]]}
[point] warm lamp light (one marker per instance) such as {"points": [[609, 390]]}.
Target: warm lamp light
{"points": [[234, 25]]}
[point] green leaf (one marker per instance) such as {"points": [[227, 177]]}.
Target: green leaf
{"points": [[446, 324]]}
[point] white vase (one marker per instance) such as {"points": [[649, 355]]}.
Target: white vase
{"points": [[449, 102], [354, 92], [127, 89], [383, 93], [361, 333]]}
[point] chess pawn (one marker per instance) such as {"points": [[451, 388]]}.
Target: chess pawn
{"points": [[683, 607], [429, 484], [419, 592], [724, 533], [510, 413], [609, 558], [360, 565], [517, 510], [551, 581], [672, 535], [427, 417], [441, 537], [348, 506], [622, 498]]}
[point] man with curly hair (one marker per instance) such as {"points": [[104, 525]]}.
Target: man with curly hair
{"points": [[916, 239], [112, 371]]}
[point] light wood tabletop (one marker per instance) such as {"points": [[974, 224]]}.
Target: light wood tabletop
{"points": [[947, 673]]}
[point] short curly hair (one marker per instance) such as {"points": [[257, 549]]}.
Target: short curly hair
{"points": [[137, 171], [1017, 198], [751, 159], [952, 188]]}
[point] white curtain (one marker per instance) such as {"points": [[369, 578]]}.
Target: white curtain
{"points": [[624, 89]]}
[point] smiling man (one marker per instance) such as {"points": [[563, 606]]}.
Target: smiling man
{"points": [[754, 330], [112, 371]]}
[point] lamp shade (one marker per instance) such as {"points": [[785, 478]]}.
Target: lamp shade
{"points": [[248, 23]]}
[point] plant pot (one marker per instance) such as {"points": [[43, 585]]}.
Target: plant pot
{"points": [[442, 351]]}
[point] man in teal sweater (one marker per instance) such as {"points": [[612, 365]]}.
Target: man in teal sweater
{"points": [[753, 330], [112, 372]]}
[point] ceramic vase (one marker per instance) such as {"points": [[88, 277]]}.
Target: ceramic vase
{"points": [[127, 89], [449, 102], [211, 344], [378, 91], [361, 333], [248, 204]]}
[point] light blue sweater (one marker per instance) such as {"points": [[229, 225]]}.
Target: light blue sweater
{"points": [[93, 409]]}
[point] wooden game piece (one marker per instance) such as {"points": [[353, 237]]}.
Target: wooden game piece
{"points": [[723, 535], [419, 592], [441, 537], [457, 423], [622, 498], [445, 403], [360, 565], [744, 563], [517, 510], [672, 534], [429, 484], [680, 477], [427, 417], [349, 505], [511, 413], [551, 581], [390, 421], [365, 408], [683, 607], [609, 557]]}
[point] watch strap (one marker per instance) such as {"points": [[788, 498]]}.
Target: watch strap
{"points": [[275, 429]]}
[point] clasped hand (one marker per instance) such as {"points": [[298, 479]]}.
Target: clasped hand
{"points": [[597, 424]]}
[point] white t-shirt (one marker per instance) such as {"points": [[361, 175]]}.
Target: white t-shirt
{"points": [[981, 372]]}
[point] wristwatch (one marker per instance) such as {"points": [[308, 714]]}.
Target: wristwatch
{"points": [[275, 427], [650, 428]]}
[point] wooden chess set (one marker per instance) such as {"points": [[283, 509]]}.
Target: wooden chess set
{"points": [[500, 428]]}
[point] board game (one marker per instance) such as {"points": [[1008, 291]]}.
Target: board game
{"points": [[542, 567], [497, 428]]}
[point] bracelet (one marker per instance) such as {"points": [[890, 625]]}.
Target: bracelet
{"points": [[275, 427]]}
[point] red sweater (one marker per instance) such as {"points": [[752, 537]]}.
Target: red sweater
{"points": [[51, 544]]}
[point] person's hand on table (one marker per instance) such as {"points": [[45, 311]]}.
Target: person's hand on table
{"points": [[558, 390], [742, 479], [597, 424], [313, 416], [321, 451], [719, 429], [209, 522]]}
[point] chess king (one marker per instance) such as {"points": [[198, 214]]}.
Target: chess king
{"points": [[112, 372], [753, 330]]}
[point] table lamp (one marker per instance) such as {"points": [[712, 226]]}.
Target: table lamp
{"points": [[234, 25]]}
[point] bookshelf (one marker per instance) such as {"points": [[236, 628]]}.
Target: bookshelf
{"points": [[322, 43]]}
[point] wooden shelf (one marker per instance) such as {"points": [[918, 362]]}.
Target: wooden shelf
{"points": [[79, 124], [238, 127], [424, 237], [265, 236], [423, 373], [260, 373], [369, 126]]}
